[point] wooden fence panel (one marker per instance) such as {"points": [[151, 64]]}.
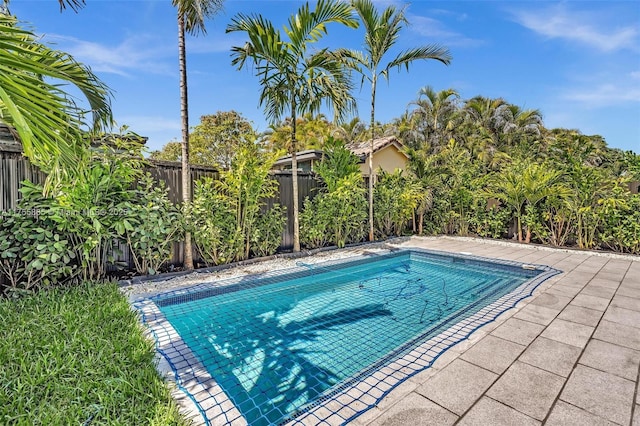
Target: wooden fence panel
{"points": [[13, 170], [307, 187]]}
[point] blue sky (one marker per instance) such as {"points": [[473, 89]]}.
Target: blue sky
{"points": [[578, 62]]}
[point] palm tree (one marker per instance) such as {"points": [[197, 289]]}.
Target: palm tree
{"points": [[47, 120], [526, 184], [429, 174], [351, 131], [191, 19], [540, 182], [435, 115], [508, 187], [293, 80], [381, 34]]}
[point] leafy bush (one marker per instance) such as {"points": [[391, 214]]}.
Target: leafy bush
{"points": [[395, 198], [620, 229], [226, 214], [315, 221], [97, 202], [59, 239], [490, 222], [554, 221], [337, 215], [35, 251], [151, 225], [212, 224], [267, 232]]}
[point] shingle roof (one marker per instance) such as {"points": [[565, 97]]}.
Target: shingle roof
{"points": [[361, 149]]}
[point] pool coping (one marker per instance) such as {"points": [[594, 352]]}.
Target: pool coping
{"points": [[348, 402]]}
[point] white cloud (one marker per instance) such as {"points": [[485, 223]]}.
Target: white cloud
{"points": [[443, 12], [438, 32], [150, 124], [604, 94], [584, 27], [605, 88], [134, 53]]}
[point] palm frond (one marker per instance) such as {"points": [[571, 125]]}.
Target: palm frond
{"points": [[74, 5], [50, 124], [196, 12], [408, 56], [308, 26]]}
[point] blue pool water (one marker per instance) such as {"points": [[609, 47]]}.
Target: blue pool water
{"points": [[276, 345]]}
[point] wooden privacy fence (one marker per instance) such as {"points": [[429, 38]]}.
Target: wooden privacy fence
{"points": [[15, 168]]}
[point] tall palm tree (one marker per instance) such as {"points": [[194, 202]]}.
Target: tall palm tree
{"points": [[51, 126], [191, 19], [516, 125], [381, 34], [435, 114], [292, 79]]}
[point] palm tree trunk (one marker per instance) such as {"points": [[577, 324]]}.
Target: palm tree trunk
{"points": [[373, 134], [294, 180], [184, 115], [519, 228]]}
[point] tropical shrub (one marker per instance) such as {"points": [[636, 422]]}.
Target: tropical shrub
{"points": [[212, 224], [552, 221], [489, 222], [336, 217], [97, 201], [35, 250], [62, 239], [267, 232], [338, 214], [225, 214], [395, 197], [151, 225], [459, 188], [620, 228]]}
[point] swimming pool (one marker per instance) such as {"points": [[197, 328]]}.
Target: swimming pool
{"points": [[323, 342]]}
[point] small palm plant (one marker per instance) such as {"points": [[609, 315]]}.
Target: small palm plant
{"points": [[294, 80], [520, 185], [381, 34]]}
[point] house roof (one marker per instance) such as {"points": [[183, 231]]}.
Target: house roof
{"points": [[306, 155], [361, 149]]}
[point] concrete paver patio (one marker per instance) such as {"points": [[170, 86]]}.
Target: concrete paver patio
{"points": [[569, 355]]}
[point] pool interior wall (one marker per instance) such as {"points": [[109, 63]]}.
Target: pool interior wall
{"points": [[285, 346]]}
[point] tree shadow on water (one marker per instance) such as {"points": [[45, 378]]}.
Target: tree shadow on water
{"points": [[267, 366]]}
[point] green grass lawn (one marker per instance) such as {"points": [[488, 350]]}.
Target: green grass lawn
{"points": [[69, 355]]}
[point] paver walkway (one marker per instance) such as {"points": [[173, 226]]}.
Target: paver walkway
{"points": [[569, 355]]}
